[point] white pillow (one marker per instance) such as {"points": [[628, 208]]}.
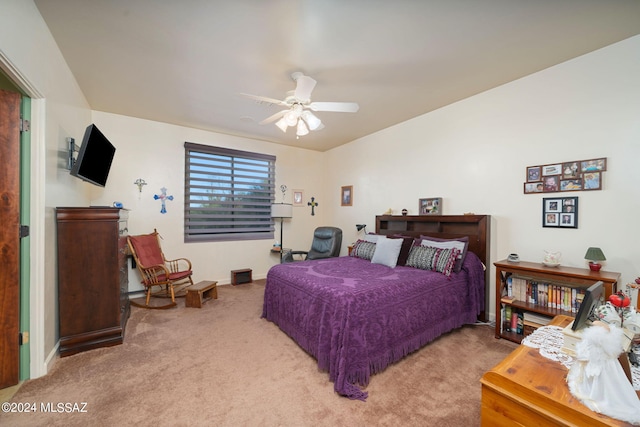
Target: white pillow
{"points": [[387, 251]]}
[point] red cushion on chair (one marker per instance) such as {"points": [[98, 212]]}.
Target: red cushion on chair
{"points": [[175, 276], [147, 249]]}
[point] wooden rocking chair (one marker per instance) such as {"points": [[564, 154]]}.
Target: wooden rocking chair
{"points": [[169, 276]]}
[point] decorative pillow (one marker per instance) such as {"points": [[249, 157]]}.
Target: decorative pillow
{"points": [[431, 258], [461, 243], [363, 249], [387, 251], [373, 238], [407, 242]]}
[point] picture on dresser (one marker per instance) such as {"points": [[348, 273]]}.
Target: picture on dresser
{"points": [[560, 212], [430, 206]]}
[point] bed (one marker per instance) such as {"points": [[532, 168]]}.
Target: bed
{"points": [[356, 316]]}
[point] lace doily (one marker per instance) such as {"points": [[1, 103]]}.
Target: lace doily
{"points": [[549, 341]]}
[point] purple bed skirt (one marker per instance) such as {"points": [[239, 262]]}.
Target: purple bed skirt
{"points": [[356, 317]]}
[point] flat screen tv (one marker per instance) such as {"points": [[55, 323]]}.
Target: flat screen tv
{"points": [[589, 303], [94, 157]]}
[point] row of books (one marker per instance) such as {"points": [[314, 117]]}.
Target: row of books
{"points": [[544, 294], [518, 322]]}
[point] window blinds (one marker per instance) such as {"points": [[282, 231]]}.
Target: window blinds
{"points": [[228, 194]]}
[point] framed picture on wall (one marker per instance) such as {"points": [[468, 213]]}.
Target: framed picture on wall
{"points": [[591, 181], [533, 174], [560, 212], [594, 165], [346, 195], [298, 198], [430, 206], [548, 170], [533, 187]]}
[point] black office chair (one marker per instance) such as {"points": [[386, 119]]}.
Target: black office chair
{"points": [[326, 244]]}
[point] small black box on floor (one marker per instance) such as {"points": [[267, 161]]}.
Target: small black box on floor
{"points": [[241, 276]]}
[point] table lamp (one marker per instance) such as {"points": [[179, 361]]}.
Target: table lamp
{"points": [[361, 227], [281, 211], [594, 255]]}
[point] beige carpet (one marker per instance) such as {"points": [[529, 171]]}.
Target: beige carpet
{"points": [[223, 365]]}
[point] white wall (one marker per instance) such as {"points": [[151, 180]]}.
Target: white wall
{"points": [[474, 155], [154, 152]]}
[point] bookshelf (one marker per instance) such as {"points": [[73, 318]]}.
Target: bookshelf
{"points": [[537, 293]]}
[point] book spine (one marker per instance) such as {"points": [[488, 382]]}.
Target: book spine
{"points": [[514, 321], [520, 324]]}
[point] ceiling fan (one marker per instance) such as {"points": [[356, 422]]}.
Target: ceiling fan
{"points": [[298, 111]]}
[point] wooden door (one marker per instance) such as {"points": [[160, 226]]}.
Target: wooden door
{"points": [[9, 237]]}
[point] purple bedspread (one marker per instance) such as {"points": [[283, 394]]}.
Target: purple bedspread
{"points": [[356, 317]]}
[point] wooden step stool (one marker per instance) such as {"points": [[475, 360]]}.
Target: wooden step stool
{"points": [[200, 293]]}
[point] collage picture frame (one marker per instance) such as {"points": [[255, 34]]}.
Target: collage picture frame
{"points": [[578, 175], [560, 212]]}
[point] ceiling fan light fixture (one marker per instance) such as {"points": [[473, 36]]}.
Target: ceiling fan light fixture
{"points": [[282, 124], [312, 121], [302, 129], [291, 117]]}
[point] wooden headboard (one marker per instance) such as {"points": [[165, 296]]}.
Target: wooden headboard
{"points": [[476, 227]]}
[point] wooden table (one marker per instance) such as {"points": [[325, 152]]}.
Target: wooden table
{"points": [[527, 389]]}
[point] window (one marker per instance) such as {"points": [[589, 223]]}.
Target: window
{"points": [[228, 194]]}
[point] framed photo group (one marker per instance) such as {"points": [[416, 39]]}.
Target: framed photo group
{"points": [[560, 212], [579, 175], [430, 206]]}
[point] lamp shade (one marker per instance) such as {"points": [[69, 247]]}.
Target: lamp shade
{"points": [[302, 128], [282, 124], [281, 210], [594, 254], [360, 227], [313, 122]]}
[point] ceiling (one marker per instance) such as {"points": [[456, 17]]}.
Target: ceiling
{"points": [[186, 62]]}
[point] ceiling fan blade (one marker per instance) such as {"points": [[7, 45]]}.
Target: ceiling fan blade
{"points": [[342, 107], [264, 99], [304, 87], [274, 117]]}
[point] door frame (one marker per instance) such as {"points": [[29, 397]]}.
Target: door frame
{"points": [[33, 290]]}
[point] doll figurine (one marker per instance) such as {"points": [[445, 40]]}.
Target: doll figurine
{"points": [[597, 379]]}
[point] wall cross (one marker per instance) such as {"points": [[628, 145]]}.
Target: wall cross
{"points": [[313, 204], [163, 196]]}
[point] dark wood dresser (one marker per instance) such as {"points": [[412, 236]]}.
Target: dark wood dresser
{"points": [[92, 277]]}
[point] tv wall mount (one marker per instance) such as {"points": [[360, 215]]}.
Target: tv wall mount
{"points": [[72, 148]]}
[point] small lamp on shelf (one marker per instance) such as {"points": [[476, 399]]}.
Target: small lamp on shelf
{"points": [[594, 256]]}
